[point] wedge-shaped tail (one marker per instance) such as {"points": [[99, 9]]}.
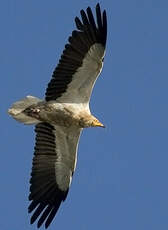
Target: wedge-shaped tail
{"points": [[16, 110]]}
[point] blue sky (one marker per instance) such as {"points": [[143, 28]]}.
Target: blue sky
{"points": [[121, 176]]}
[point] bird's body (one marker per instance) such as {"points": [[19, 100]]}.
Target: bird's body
{"points": [[60, 118], [55, 113]]}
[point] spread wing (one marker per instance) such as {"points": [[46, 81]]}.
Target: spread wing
{"points": [[81, 61], [53, 166]]}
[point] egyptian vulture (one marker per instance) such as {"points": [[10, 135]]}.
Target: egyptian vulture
{"points": [[62, 115]]}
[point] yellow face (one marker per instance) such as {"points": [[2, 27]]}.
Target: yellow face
{"points": [[88, 120], [97, 123]]}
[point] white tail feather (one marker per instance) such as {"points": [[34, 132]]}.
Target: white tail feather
{"points": [[16, 110]]}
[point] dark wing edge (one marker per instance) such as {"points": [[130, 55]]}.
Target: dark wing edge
{"points": [[45, 194], [80, 42]]}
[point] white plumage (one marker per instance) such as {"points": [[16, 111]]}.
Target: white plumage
{"points": [[61, 117]]}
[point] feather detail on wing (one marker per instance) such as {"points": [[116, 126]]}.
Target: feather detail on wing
{"points": [[82, 60], [53, 166]]}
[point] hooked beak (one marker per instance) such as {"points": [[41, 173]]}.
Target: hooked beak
{"points": [[97, 123]]}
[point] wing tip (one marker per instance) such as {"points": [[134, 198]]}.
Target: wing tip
{"points": [[100, 27], [45, 211]]}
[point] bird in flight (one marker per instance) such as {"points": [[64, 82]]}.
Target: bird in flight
{"points": [[60, 118]]}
